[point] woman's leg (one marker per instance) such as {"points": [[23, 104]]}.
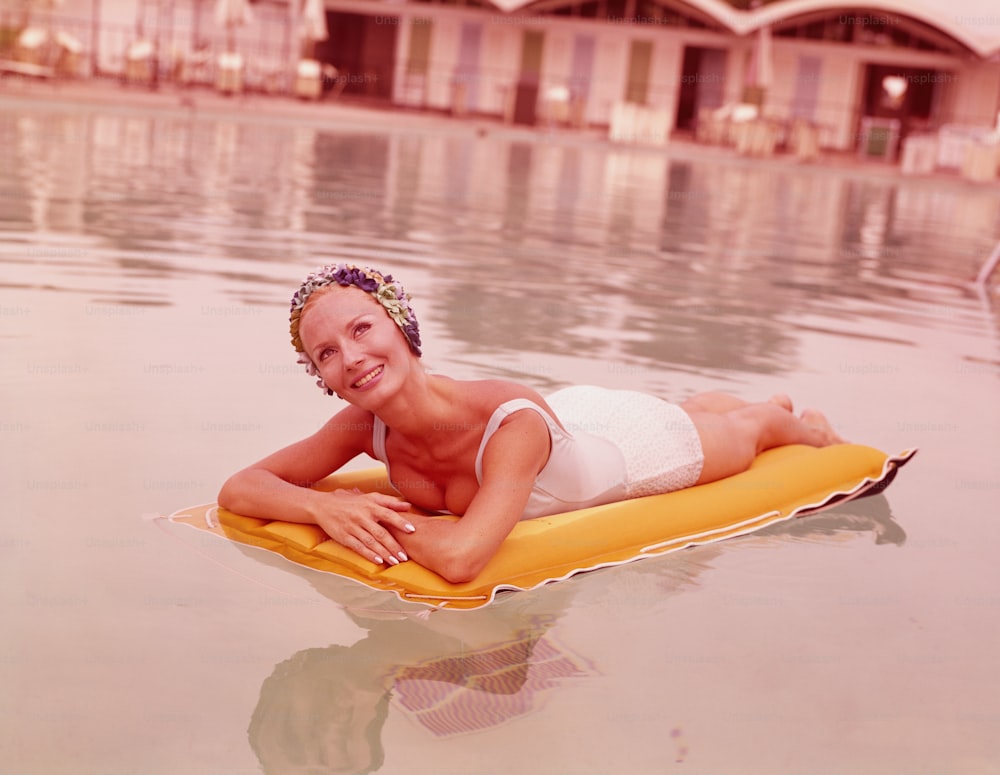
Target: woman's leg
{"points": [[730, 440], [720, 403]]}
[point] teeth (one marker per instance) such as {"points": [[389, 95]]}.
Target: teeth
{"points": [[368, 377]]}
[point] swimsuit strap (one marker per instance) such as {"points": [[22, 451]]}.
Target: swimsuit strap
{"points": [[500, 414], [378, 444]]}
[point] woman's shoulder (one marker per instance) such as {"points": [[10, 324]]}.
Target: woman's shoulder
{"points": [[479, 400], [351, 420], [489, 394]]}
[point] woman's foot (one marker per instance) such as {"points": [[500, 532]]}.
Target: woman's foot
{"points": [[817, 422], [782, 400]]}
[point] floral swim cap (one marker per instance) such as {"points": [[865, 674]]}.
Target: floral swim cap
{"points": [[386, 291]]}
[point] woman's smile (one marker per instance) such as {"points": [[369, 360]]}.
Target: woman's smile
{"points": [[369, 379]]}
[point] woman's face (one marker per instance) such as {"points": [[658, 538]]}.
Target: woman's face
{"points": [[360, 353]]}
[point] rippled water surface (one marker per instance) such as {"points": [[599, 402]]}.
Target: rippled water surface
{"points": [[146, 265]]}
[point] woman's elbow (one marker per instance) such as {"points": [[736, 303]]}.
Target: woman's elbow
{"points": [[231, 493], [458, 573], [227, 496], [459, 567]]}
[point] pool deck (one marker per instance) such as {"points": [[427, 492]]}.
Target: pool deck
{"points": [[115, 96]]}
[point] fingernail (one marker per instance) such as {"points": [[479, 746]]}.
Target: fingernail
{"points": [[394, 561], [410, 528], [378, 560], [403, 557]]}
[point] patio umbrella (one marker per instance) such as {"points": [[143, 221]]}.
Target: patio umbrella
{"points": [[232, 14], [314, 21]]}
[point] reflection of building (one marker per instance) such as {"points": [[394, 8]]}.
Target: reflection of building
{"points": [[831, 63]]}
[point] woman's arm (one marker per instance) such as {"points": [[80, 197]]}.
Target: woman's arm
{"points": [[278, 487], [459, 550]]}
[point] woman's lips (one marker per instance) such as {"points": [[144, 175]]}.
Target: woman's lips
{"points": [[368, 378]]}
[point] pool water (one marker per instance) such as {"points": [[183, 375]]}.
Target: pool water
{"points": [[147, 261]]}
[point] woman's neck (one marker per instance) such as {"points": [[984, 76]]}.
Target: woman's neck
{"points": [[426, 403]]}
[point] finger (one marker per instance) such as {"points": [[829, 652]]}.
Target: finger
{"points": [[360, 548], [397, 520], [391, 502], [381, 544], [386, 539], [391, 513]]}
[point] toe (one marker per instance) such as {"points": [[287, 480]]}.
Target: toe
{"points": [[782, 400]]}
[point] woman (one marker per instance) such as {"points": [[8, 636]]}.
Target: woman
{"points": [[491, 451]]}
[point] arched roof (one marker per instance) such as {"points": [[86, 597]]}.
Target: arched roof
{"points": [[973, 23]]}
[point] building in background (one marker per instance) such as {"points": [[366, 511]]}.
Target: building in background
{"points": [[841, 67]]}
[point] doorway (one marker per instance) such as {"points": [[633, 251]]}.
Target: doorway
{"points": [[908, 94], [703, 76], [529, 78], [363, 49]]}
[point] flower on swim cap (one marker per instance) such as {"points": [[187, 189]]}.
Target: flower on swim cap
{"points": [[386, 291]]}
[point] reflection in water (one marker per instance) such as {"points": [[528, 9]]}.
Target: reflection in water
{"points": [[865, 515], [647, 586], [633, 257], [320, 711], [454, 673], [327, 706], [468, 693]]}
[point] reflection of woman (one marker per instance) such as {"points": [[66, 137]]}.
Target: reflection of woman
{"points": [[323, 709], [320, 711], [491, 451]]}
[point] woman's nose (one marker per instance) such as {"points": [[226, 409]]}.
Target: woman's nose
{"points": [[351, 354]]}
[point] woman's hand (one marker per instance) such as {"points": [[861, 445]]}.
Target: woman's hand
{"points": [[358, 521]]}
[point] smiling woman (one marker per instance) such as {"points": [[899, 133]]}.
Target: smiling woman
{"points": [[492, 452]]}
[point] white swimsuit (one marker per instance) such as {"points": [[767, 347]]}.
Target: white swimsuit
{"points": [[618, 444]]}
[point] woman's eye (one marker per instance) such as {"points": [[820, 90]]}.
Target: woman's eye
{"points": [[360, 328], [326, 353]]}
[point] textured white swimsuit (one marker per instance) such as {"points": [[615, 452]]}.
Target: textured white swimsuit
{"points": [[618, 444]]}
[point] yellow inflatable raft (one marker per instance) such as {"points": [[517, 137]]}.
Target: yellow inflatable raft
{"points": [[783, 483]]}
